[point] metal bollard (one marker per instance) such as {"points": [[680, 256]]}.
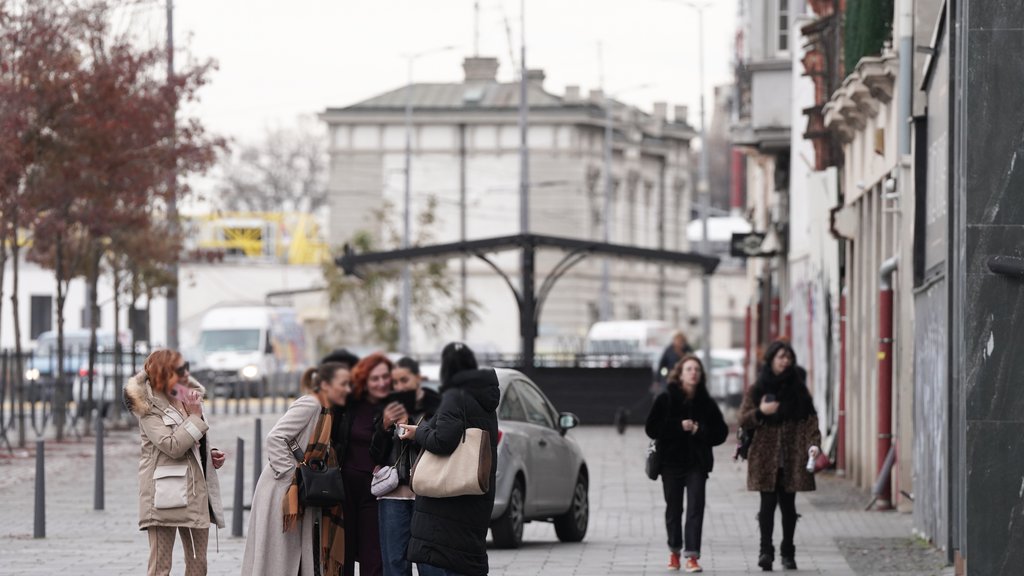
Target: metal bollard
{"points": [[238, 397], [97, 496], [263, 393], [236, 514], [39, 529], [257, 457]]}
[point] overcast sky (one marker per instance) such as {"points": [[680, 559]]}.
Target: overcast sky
{"points": [[282, 59]]}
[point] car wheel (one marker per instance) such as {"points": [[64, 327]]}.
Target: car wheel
{"points": [[508, 528], [572, 526]]}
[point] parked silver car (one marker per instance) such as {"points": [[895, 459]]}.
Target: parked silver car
{"points": [[542, 474]]}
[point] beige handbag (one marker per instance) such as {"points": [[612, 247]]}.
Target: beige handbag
{"points": [[464, 472]]}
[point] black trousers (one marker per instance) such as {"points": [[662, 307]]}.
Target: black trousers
{"points": [[786, 502], [675, 483]]}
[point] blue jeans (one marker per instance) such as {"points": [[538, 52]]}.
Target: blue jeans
{"points": [[395, 519]]}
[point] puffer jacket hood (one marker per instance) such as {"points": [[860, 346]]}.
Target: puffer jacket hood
{"points": [[482, 385]]}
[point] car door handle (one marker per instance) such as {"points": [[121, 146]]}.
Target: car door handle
{"points": [[543, 442]]}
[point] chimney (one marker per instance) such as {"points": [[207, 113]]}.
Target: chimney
{"points": [[682, 113], [572, 94], [660, 111], [597, 96], [480, 69], [535, 77]]}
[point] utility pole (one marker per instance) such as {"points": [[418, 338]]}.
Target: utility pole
{"points": [[172, 196], [605, 308], [704, 193], [405, 302], [527, 266]]}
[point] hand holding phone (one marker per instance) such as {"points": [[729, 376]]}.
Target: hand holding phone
{"points": [[769, 405]]}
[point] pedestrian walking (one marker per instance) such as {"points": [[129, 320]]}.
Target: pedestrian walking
{"points": [[686, 424], [412, 403], [673, 353], [449, 535], [371, 384], [280, 538], [779, 410], [178, 488]]}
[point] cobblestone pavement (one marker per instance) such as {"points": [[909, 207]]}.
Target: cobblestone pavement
{"points": [[626, 535]]}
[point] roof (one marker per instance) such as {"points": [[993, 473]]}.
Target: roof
{"points": [[461, 95]]}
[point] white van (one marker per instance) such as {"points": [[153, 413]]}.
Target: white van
{"points": [[629, 339], [249, 345]]}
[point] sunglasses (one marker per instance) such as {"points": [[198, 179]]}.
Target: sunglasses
{"points": [[182, 370]]}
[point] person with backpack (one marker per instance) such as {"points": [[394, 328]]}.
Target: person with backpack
{"points": [[780, 412], [685, 424]]}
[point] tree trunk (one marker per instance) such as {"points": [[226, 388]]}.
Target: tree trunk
{"points": [[16, 255], [94, 324], [116, 383], [61, 299], [131, 308]]}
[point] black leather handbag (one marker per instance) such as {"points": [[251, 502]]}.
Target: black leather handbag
{"points": [[319, 485]]}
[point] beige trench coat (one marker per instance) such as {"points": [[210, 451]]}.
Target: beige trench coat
{"points": [[269, 550], [173, 488]]}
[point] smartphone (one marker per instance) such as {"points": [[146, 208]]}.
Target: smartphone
{"points": [[407, 399], [769, 397], [182, 393]]}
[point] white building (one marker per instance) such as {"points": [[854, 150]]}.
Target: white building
{"points": [[465, 145]]}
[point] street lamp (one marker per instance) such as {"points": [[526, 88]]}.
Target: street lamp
{"points": [[703, 192], [605, 309], [406, 298]]}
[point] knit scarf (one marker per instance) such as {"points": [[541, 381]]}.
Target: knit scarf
{"points": [[332, 535], [790, 389]]}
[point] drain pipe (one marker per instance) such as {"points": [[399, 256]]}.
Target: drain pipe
{"points": [[883, 492], [841, 444]]}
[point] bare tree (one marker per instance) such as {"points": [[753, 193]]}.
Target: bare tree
{"points": [[285, 172]]}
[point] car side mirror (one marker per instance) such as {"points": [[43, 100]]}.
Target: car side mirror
{"points": [[567, 421]]}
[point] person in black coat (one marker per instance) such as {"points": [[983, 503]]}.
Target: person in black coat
{"points": [[450, 534], [673, 353], [412, 404], [686, 424]]}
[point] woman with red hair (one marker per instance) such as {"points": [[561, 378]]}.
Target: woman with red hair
{"points": [[178, 487], [371, 384]]}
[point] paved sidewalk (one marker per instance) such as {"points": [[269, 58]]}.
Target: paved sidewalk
{"points": [[626, 535]]}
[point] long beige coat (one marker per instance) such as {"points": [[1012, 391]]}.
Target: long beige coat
{"points": [[269, 550], [173, 488]]}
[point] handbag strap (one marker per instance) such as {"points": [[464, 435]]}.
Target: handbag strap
{"points": [[405, 445], [297, 452]]}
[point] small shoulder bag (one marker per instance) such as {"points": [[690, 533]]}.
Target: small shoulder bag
{"points": [[319, 484]]}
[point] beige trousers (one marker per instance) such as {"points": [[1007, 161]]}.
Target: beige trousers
{"points": [[161, 547]]}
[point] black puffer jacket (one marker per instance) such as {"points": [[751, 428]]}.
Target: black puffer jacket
{"points": [[385, 448], [451, 533], [680, 449]]}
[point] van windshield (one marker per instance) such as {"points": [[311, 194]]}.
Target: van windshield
{"points": [[230, 340], [612, 346]]}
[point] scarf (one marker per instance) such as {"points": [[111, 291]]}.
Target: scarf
{"points": [[332, 530], [790, 389]]}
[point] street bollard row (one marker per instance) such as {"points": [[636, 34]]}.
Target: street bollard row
{"points": [[239, 504]]}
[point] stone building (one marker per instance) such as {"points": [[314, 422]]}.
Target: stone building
{"points": [[465, 144]]}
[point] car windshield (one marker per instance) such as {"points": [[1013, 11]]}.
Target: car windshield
{"points": [[247, 340]]}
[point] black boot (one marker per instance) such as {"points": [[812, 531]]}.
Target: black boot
{"points": [[765, 560], [788, 563]]}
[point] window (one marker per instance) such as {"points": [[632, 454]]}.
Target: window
{"points": [[511, 408], [537, 409], [634, 311], [783, 23], [42, 316], [138, 323], [247, 340]]}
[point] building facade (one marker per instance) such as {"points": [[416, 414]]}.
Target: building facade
{"points": [[465, 155]]}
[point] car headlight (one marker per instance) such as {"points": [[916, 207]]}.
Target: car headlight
{"points": [[250, 371], [32, 374]]}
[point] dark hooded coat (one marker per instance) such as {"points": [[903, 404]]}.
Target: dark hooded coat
{"points": [[451, 533]]}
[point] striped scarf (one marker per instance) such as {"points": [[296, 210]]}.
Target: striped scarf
{"points": [[332, 535]]}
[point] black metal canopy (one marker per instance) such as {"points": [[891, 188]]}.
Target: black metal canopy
{"points": [[530, 300]]}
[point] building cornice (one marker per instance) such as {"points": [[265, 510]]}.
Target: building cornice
{"points": [[861, 95]]}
